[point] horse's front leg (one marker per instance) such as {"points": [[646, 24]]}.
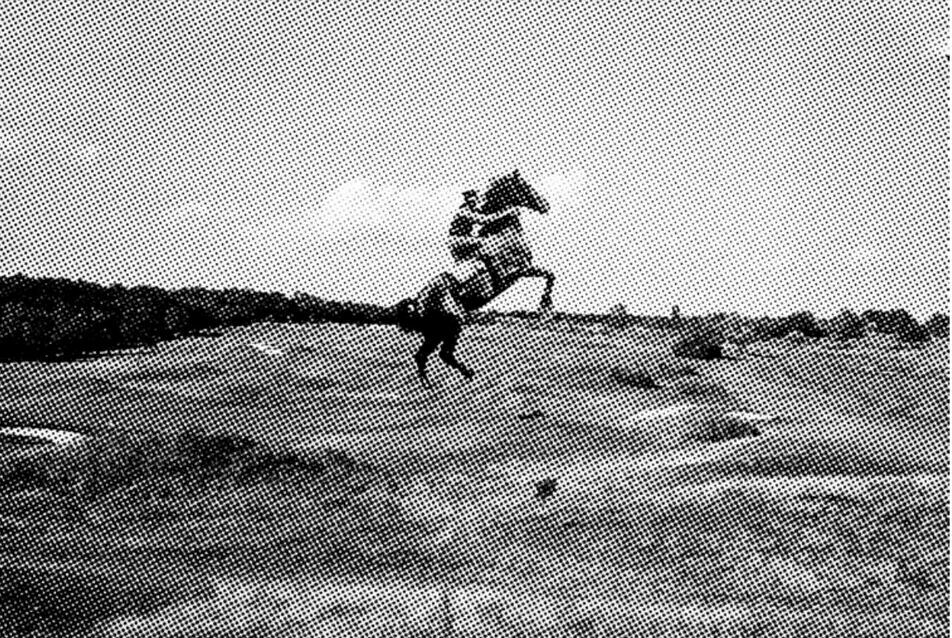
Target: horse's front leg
{"points": [[545, 304]]}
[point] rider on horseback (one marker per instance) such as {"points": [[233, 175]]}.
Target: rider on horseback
{"points": [[473, 264], [487, 246], [490, 255]]}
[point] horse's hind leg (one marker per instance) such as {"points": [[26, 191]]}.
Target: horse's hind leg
{"points": [[448, 354], [427, 348]]}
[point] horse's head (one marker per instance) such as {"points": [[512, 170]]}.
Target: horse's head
{"points": [[511, 191]]}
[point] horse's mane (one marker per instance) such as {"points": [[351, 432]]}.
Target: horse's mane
{"points": [[511, 190]]}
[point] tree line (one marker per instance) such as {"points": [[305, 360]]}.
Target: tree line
{"points": [[845, 326], [43, 318]]}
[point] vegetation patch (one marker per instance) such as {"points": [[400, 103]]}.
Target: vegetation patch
{"points": [[653, 375], [195, 494], [164, 463], [700, 388], [705, 345], [634, 378], [42, 601], [724, 428]]}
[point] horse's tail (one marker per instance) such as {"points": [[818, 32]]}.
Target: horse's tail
{"points": [[408, 315]]}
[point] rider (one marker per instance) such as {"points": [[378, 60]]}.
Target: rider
{"points": [[488, 249], [471, 226], [467, 242], [463, 226]]}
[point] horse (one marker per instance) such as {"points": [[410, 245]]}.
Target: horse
{"points": [[489, 265]]}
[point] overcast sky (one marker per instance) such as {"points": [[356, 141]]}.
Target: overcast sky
{"points": [[762, 157]]}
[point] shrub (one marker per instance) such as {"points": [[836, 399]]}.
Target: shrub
{"points": [[805, 323], [725, 428], [706, 345], [634, 377], [938, 325], [795, 337], [617, 316], [890, 321], [911, 332], [765, 328], [848, 325]]}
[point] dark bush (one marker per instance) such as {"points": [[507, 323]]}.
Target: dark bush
{"points": [[725, 428], [938, 325], [848, 325], [898, 322], [764, 328], [58, 318], [706, 346], [805, 323], [634, 377], [697, 388], [912, 333], [890, 321]]}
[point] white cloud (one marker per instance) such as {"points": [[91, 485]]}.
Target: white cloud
{"points": [[563, 190]]}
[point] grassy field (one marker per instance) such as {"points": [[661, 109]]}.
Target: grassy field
{"points": [[295, 480]]}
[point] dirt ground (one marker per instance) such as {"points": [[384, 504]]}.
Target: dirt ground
{"points": [[586, 483]]}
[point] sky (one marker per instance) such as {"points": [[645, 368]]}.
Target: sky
{"points": [[760, 158]]}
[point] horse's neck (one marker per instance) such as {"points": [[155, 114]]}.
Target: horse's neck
{"points": [[512, 209]]}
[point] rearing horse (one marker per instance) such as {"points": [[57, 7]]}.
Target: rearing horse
{"points": [[487, 266]]}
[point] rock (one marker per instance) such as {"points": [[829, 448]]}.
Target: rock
{"points": [[545, 488]]}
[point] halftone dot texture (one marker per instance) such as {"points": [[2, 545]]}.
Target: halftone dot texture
{"points": [[615, 467]]}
